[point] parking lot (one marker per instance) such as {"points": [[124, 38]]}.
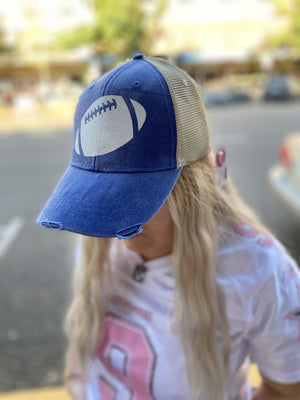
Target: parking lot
{"points": [[36, 264]]}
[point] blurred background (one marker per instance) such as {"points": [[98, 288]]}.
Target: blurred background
{"points": [[244, 54]]}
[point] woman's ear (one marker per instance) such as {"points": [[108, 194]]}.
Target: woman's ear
{"points": [[211, 158]]}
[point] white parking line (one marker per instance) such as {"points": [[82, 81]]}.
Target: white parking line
{"points": [[8, 234]]}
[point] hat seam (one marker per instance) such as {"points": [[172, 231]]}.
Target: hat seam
{"points": [[162, 79], [108, 83], [174, 168]]}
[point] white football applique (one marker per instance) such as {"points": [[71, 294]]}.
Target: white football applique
{"points": [[107, 125]]}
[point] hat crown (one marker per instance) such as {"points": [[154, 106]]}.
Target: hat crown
{"points": [[145, 115]]}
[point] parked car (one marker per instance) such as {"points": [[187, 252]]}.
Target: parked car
{"points": [[284, 178], [225, 97], [278, 88], [220, 97]]}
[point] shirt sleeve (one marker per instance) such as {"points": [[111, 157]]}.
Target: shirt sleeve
{"points": [[273, 333]]}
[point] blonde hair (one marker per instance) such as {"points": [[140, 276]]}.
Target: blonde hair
{"points": [[198, 208]]}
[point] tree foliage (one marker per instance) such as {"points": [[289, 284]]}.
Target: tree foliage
{"points": [[120, 27], [290, 36]]}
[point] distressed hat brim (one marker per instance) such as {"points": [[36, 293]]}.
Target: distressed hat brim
{"points": [[107, 204]]}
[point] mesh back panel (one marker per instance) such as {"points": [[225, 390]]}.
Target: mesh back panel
{"points": [[192, 129]]}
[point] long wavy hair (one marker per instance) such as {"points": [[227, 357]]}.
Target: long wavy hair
{"points": [[198, 207]]}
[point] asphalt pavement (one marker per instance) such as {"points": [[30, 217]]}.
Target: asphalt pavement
{"points": [[252, 135], [36, 264]]}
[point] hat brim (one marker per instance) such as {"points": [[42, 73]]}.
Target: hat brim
{"points": [[105, 204]]}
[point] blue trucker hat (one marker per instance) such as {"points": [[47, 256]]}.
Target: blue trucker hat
{"points": [[134, 129]]}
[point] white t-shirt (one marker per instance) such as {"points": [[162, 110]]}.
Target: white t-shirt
{"points": [[140, 356]]}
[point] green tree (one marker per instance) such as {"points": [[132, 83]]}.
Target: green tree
{"points": [[4, 47], [120, 27], [289, 37]]}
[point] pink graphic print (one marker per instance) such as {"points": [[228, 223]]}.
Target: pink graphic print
{"points": [[290, 273], [136, 370], [249, 232], [107, 392]]}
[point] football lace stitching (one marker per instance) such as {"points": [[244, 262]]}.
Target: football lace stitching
{"points": [[98, 110]]}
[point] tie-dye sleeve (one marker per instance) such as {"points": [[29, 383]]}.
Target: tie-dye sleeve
{"points": [[274, 330]]}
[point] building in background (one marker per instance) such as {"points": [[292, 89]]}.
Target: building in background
{"points": [[207, 38], [219, 35], [29, 60], [28, 31], [35, 23]]}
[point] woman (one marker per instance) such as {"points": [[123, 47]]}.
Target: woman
{"points": [[197, 284]]}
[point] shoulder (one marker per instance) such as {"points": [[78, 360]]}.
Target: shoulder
{"points": [[250, 259], [261, 283]]}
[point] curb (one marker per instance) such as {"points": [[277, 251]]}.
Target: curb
{"points": [[37, 120], [59, 393]]}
